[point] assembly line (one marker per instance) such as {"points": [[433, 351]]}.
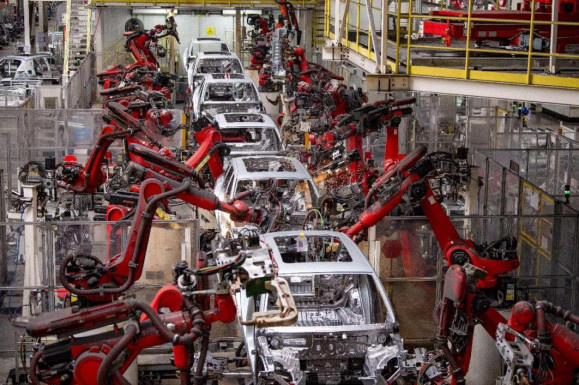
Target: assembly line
{"points": [[291, 199]]}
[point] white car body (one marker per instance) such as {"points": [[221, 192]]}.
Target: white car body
{"points": [[203, 44], [30, 67], [222, 93], [346, 330], [259, 132], [247, 172], [206, 63]]}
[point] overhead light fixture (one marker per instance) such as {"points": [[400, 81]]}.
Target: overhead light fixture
{"points": [[157, 11], [231, 12]]}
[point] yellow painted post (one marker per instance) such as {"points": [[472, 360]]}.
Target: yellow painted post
{"points": [[357, 27], [183, 131], [371, 13], [409, 29], [468, 30], [88, 28], [529, 58], [398, 15], [326, 18]]}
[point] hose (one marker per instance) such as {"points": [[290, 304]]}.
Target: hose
{"points": [[544, 307], [115, 352], [146, 221], [197, 379], [33, 366]]}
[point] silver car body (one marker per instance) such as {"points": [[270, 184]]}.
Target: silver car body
{"points": [[222, 93], [212, 63], [261, 133], [203, 44], [28, 67], [346, 328], [238, 177]]}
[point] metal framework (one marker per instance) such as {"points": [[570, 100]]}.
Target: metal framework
{"points": [[345, 32]]}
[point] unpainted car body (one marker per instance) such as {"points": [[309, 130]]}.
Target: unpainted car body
{"points": [[346, 330], [249, 133], [297, 191], [206, 63], [30, 67], [203, 44], [222, 93]]}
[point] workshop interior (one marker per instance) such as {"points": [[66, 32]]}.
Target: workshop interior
{"points": [[291, 192]]}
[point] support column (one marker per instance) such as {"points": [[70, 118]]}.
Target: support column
{"points": [[553, 41], [98, 40], [32, 265], [384, 38], [26, 6], [306, 23], [238, 32]]}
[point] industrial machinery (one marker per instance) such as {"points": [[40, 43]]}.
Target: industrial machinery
{"points": [[180, 314], [95, 281], [506, 34], [534, 349], [140, 44]]}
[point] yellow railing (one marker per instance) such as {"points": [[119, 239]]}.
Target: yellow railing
{"points": [[403, 45]]}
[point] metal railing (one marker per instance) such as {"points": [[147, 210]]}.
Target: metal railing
{"points": [[401, 47]]}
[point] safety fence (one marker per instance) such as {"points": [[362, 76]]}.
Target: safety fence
{"points": [[406, 255], [409, 260], [550, 169], [38, 134], [80, 88], [525, 47]]}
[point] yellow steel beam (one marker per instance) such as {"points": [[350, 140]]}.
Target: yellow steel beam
{"points": [[532, 26], [468, 28], [409, 31], [398, 12]]}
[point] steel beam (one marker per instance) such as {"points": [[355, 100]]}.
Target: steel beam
{"points": [[373, 33], [519, 92], [553, 42], [340, 22]]}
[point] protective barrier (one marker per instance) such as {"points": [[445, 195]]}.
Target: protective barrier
{"points": [[39, 134], [80, 88], [468, 49]]}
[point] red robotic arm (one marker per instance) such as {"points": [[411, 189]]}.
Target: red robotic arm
{"points": [[408, 183], [95, 281], [123, 123], [552, 345], [93, 360]]}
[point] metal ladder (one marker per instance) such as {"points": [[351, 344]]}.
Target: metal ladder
{"points": [[78, 34], [319, 22]]}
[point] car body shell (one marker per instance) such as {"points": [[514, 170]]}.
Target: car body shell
{"points": [[195, 67], [203, 103], [226, 186], [377, 356], [260, 124], [30, 67], [203, 44]]}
